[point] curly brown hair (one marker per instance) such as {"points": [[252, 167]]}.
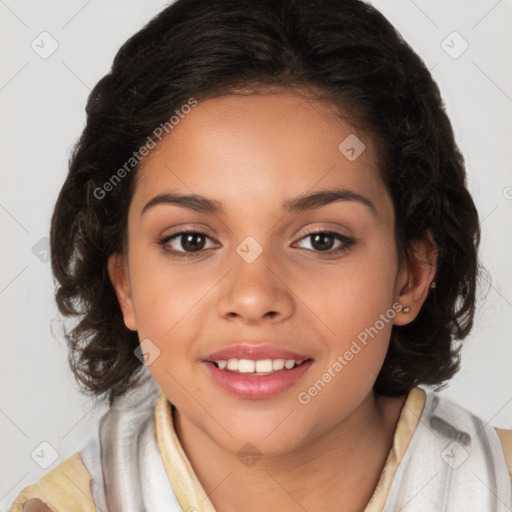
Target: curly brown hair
{"points": [[353, 57]]}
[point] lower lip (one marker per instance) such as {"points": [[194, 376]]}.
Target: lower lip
{"points": [[256, 387]]}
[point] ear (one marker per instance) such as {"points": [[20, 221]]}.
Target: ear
{"points": [[119, 276], [415, 277]]}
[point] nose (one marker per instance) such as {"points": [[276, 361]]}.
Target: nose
{"points": [[256, 292]]}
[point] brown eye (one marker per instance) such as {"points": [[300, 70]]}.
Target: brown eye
{"points": [[192, 242], [324, 242], [185, 243]]}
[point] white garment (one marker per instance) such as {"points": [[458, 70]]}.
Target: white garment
{"points": [[453, 463], [123, 459]]}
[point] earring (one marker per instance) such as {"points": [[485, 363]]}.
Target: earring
{"points": [[433, 284], [406, 309]]}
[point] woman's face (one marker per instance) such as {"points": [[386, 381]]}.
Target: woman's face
{"points": [[254, 277]]}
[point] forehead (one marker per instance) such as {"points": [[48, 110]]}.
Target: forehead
{"points": [[239, 148]]}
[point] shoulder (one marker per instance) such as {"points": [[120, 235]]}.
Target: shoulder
{"points": [[454, 421], [66, 487]]}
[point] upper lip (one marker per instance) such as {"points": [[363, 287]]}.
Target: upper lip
{"points": [[254, 352]]}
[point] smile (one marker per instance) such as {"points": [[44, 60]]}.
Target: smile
{"points": [[259, 367], [256, 379]]}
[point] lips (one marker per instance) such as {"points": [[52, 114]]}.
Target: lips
{"points": [[256, 386], [254, 352]]}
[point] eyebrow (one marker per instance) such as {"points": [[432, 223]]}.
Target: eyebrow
{"points": [[300, 203]]}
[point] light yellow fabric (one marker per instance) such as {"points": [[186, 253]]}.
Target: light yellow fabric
{"points": [[506, 442], [186, 486], [67, 487]]}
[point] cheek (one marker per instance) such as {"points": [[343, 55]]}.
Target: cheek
{"points": [[163, 291], [173, 307], [352, 294], [164, 306], [355, 302], [167, 306]]}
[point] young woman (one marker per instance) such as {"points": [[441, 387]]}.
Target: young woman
{"points": [[266, 235]]}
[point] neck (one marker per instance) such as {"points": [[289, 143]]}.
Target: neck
{"points": [[341, 466]]}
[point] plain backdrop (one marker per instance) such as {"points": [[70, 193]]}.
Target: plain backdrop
{"points": [[53, 53]]}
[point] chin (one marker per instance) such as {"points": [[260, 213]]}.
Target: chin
{"points": [[269, 438]]}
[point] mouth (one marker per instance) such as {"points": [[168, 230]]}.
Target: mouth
{"points": [[257, 367], [256, 379]]}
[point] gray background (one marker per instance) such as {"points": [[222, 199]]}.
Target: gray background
{"points": [[42, 103]]}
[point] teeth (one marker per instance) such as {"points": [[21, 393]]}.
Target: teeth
{"points": [[264, 365], [259, 366], [233, 364], [246, 366], [278, 364]]}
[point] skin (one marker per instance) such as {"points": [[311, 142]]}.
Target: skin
{"points": [[252, 153]]}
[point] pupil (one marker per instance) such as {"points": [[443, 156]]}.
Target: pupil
{"points": [[322, 246], [187, 242]]}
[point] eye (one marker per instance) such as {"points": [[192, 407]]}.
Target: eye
{"points": [[185, 243], [190, 243], [324, 242]]}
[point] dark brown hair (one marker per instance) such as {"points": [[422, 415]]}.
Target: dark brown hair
{"points": [[348, 53]]}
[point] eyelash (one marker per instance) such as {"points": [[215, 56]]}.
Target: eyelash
{"points": [[347, 243]]}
